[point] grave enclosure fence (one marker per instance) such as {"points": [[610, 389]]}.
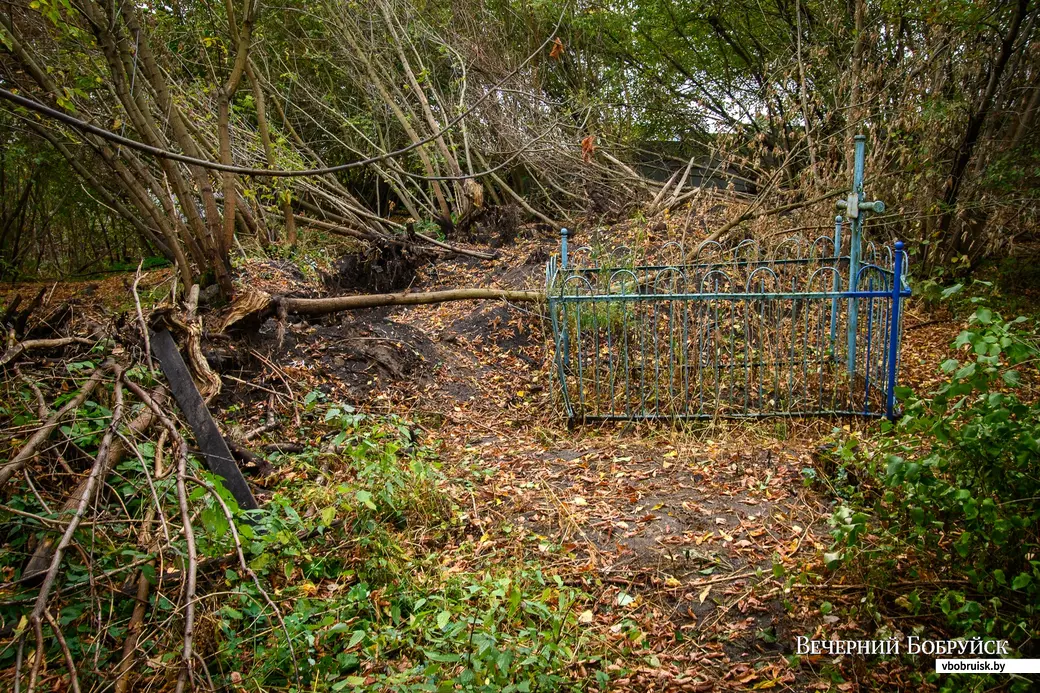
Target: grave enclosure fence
{"points": [[803, 328]]}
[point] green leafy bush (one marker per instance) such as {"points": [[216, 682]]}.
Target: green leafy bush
{"points": [[364, 605], [361, 575], [960, 491]]}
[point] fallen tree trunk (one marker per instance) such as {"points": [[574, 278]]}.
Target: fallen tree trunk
{"points": [[323, 306], [256, 304]]}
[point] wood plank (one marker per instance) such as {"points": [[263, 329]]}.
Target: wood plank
{"points": [[218, 457]]}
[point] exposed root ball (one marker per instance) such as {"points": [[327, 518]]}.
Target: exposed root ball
{"points": [[376, 269]]}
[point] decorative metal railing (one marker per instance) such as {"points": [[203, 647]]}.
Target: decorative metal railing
{"points": [[803, 328]]}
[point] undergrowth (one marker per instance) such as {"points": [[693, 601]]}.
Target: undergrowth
{"points": [[359, 545], [939, 513]]}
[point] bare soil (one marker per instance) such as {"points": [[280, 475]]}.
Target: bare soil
{"points": [[673, 530]]}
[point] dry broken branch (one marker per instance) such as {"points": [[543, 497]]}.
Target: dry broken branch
{"points": [[44, 432], [258, 303], [30, 344]]}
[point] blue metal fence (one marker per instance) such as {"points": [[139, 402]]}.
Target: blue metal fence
{"points": [[802, 328]]}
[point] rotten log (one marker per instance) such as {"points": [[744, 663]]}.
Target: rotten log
{"points": [[255, 304]]}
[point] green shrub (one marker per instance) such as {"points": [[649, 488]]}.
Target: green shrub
{"points": [[960, 491]]}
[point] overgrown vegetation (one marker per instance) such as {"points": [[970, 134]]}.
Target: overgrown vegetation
{"points": [[357, 571], [941, 511], [264, 160], [563, 109]]}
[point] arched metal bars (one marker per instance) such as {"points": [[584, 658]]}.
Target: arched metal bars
{"points": [[728, 333]]}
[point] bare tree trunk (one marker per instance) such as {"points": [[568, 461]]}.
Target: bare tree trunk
{"points": [[402, 119], [265, 139], [952, 187], [802, 93], [1026, 119]]}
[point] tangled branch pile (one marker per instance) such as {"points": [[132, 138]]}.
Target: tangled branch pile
{"points": [[415, 120]]}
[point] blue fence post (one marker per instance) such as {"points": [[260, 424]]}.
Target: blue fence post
{"points": [[856, 228], [836, 284], [893, 334], [564, 341]]}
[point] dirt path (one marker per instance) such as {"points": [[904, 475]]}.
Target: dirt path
{"points": [[683, 536]]}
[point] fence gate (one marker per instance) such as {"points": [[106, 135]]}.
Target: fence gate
{"points": [[809, 327]]}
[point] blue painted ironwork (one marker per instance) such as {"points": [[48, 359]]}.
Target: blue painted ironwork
{"points": [[805, 328]]}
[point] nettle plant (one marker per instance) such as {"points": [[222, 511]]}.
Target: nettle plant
{"points": [[962, 482]]}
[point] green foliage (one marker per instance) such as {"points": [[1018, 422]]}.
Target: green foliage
{"points": [[430, 227], [960, 489], [480, 632], [149, 263], [366, 610], [360, 547]]}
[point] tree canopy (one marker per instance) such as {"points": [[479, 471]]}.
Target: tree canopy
{"points": [[550, 106]]}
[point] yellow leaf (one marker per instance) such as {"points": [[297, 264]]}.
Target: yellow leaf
{"points": [[704, 594]]}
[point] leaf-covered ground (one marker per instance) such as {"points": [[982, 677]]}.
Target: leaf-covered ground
{"points": [[686, 536], [699, 547]]}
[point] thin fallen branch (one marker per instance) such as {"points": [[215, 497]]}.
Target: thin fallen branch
{"points": [[87, 489], [456, 249], [140, 317], [249, 571], [70, 661], [30, 344], [44, 432], [93, 480], [255, 303], [42, 410], [270, 424], [342, 229], [149, 544], [323, 306], [750, 213], [192, 562]]}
